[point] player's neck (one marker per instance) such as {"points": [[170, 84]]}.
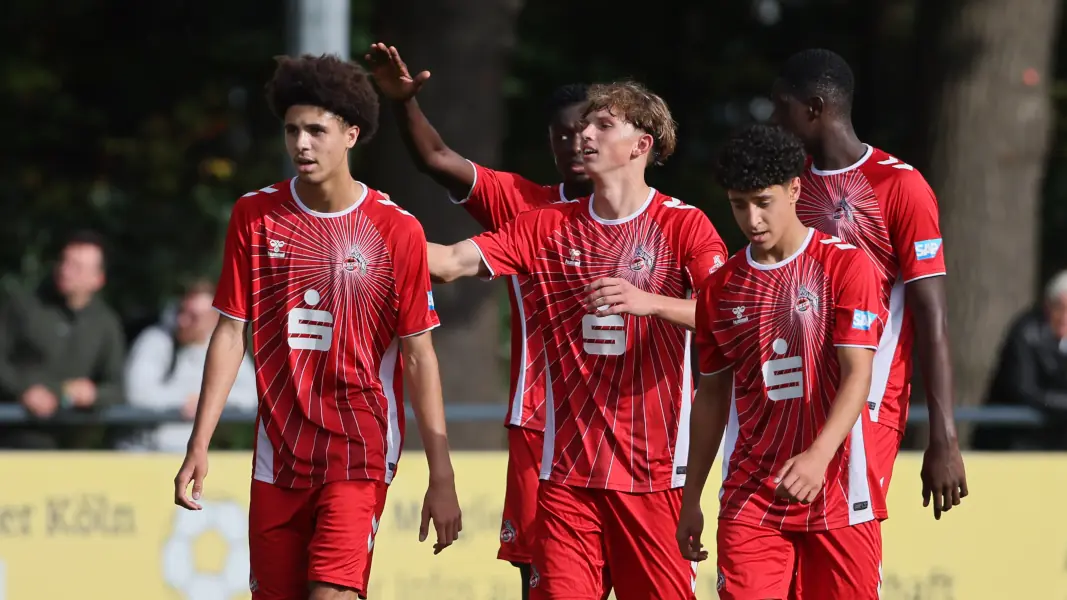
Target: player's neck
{"points": [[577, 189], [336, 194], [839, 148], [787, 245], [619, 194]]}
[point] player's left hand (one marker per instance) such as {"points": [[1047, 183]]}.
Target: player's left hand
{"points": [[616, 296], [943, 476], [802, 477], [441, 505], [193, 470]]}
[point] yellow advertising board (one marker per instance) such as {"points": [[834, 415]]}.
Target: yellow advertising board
{"points": [[103, 527]]}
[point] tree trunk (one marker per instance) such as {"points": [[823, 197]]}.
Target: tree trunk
{"points": [[989, 129], [465, 44]]}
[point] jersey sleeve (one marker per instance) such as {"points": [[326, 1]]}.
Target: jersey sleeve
{"points": [[914, 228], [712, 359], [859, 315], [511, 250], [705, 252], [497, 197], [233, 294], [412, 275]]}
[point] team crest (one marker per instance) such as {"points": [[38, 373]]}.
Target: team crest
{"points": [[253, 584], [805, 300], [720, 581], [355, 261], [507, 532], [642, 260], [535, 577], [843, 211]]}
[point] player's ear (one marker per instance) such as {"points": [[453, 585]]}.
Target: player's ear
{"points": [[644, 145], [351, 136], [794, 190], [816, 105]]}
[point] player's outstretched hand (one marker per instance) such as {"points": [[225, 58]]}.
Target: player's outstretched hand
{"points": [[802, 477], [690, 527], [193, 470], [391, 74], [944, 477], [616, 296], [441, 505]]}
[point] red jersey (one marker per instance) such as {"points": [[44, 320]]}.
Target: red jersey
{"points": [[328, 296], [495, 199], [778, 326], [885, 207], [620, 387]]}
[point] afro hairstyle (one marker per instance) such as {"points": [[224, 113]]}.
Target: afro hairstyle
{"points": [[757, 157], [340, 87]]}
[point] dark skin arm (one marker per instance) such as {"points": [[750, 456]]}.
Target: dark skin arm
{"points": [[428, 151], [943, 475]]}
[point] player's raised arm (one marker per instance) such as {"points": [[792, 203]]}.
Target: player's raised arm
{"points": [[449, 263], [428, 151], [509, 251]]}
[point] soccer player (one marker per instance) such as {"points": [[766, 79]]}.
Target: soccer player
{"points": [[617, 420], [493, 198], [786, 333], [875, 201], [333, 279]]}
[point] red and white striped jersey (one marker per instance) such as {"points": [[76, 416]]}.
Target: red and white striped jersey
{"points": [[885, 207], [620, 387], [778, 327], [328, 295], [496, 198]]}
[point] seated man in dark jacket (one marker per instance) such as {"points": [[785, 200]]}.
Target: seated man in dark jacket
{"points": [[61, 347], [1033, 372]]}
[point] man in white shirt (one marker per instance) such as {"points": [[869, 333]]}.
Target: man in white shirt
{"points": [[166, 365]]}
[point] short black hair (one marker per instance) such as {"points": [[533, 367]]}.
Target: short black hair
{"points": [[341, 87], [819, 72], [759, 156], [566, 95], [88, 237]]}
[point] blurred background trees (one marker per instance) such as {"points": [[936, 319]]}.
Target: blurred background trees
{"points": [[146, 120]]}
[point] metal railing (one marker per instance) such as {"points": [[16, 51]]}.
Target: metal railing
{"points": [[11, 414]]}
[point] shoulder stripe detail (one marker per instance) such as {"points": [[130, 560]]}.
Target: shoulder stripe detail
{"points": [[266, 190], [838, 243]]}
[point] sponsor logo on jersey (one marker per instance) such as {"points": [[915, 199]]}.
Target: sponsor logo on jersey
{"points": [[862, 319], [276, 249], [927, 249]]}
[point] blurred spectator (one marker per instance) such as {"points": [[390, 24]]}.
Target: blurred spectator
{"points": [[61, 347], [166, 366], [1033, 372]]}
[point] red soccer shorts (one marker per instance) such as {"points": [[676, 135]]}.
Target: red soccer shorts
{"points": [[588, 537], [323, 534], [883, 449], [760, 563], [520, 498]]}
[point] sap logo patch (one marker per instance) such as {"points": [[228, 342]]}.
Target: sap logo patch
{"points": [[429, 300], [927, 249], [862, 319]]}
